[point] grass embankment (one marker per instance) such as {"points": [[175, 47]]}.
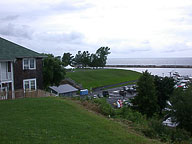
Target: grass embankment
{"points": [[56, 120], [101, 77]]}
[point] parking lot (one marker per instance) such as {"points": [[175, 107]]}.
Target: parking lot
{"points": [[114, 95]]}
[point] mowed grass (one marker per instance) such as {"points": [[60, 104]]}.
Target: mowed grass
{"points": [[101, 77], [59, 121]]}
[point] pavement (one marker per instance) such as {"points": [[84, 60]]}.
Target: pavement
{"points": [[114, 94], [113, 85]]}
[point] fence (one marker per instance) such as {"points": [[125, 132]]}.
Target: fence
{"points": [[25, 94]]}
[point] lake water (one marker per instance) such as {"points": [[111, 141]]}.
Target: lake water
{"points": [[155, 61], [149, 61], [163, 71]]}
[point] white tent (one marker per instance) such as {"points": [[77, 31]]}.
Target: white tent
{"points": [[69, 67]]}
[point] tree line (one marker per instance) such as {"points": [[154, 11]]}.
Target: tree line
{"points": [[84, 59]]}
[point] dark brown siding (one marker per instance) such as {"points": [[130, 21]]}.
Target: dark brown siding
{"points": [[20, 74]]}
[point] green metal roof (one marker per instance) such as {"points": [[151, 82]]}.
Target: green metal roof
{"points": [[11, 51]]}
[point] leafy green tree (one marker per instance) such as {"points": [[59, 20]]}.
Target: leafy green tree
{"points": [[102, 54], [67, 59], [164, 89], [94, 61], [78, 59], [182, 107], [146, 99], [85, 58], [53, 71]]}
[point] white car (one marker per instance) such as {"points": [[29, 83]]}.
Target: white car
{"points": [[168, 122]]}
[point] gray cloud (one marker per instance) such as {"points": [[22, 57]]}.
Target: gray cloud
{"points": [[70, 6], [9, 18], [32, 11], [177, 47], [185, 15], [140, 50], [10, 29], [73, 37]]}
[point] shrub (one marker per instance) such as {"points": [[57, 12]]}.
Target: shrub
{"points": [[158, 131], [105, 108], [91, 106], [180, 135], [133, 116]]}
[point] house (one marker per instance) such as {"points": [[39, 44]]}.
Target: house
{"points": [[63, 90], [20, 69]]}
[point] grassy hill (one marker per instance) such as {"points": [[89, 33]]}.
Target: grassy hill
{"points": [[101, 77], [56, 120]]}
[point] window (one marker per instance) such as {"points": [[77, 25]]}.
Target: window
{"points": [[26, 85], [33, 85], [25, 64], [29, 63], [32, 63], [29, 84]]}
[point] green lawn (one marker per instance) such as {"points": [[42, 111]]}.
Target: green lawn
{"points": [[100, 77], [58, 121]]}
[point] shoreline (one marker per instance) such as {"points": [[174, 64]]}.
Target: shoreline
{"points": [[151, 66]]}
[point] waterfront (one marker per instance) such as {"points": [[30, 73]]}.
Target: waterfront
{"points": [[163, 71], [156, 66], [150, 61]]}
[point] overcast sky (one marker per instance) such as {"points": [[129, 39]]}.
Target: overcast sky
{"points": [[131, 28]]}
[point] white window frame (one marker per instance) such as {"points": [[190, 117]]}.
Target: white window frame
{"points": [[29, 80], [29, 68]]}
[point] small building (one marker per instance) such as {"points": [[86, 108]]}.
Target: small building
{"points": [[64, 90]]}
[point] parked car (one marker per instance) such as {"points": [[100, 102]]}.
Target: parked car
{"points": [[95, 96], [132, 89], [105, 94], [169, 122], [99, 95], [122, 93], [125, 88]]}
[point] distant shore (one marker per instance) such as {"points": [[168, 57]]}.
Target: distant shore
{"points": [[151, 66]]}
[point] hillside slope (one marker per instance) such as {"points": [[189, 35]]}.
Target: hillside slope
{"points": [[56, 120], [101, 77]]}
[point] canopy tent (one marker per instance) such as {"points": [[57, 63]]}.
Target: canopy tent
{"points": [[69, 67]]}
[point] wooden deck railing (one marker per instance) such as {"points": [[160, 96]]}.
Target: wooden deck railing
{"points": [[25, 94]]}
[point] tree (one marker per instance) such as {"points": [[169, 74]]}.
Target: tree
{"points": [[182, 107], [102, 54], [94, 61], [67, 59], [53, 71], [85, 58], [164, 89], [78, 59], [146, 99]]}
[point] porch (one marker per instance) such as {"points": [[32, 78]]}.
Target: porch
{"points": [[24, 94], [6, 80], [6, 71]]}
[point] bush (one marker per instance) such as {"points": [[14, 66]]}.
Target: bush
{"points": [[133, 116], [105, 108], [158, 131], [90, 105], [180, 135]]}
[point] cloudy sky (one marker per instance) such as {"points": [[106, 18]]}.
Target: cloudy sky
{"points": [[131, 28]]}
